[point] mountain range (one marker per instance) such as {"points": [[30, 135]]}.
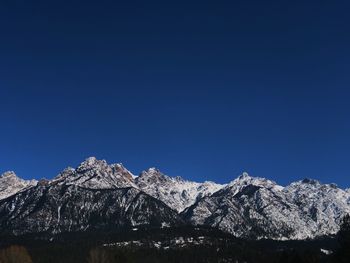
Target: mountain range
{"points": [[97, 196]]}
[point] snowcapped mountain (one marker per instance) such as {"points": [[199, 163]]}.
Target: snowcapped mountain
{"points": [[94, 196], [173, 191], [101, 196], [176, 192], [245, 179], [96, 174], [248, 207], [259, 208], [57, 208], [11, 184], [321, 205]]}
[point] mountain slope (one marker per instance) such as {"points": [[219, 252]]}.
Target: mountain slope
{"points": [[249, 207], [101, 196], [174, 191], [11, 184], [322, 205], [258, 208], [96, 174], [54, 208]]}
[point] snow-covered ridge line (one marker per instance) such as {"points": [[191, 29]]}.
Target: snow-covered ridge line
{"points": [[98, 174], [94, 163], [177, 192], [259, 208], [248, 206], [10, 184], [174, 191]]}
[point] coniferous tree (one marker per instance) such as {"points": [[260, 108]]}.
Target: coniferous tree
{"points": [[343, 253]]}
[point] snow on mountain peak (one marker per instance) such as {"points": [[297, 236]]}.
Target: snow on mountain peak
{"points": [[310, 181], [244, 175], [153, 171], [10, 184], [119, 166], [91, 163], [174, 191], [97, 174], [8, 174], [90, 160], [303, 209], [325, 204], [245, 179]]}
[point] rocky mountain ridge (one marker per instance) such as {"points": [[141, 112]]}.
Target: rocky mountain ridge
{"points": [[174, 191], [97, 195], [10, 184], [258, 208]]}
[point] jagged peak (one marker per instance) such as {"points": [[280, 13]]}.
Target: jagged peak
{"points": [[245, 175], [43, 182], [65, 173], [91, 162], [10, 183], [314, 185], [68, 170], [91, 159], [97, 174], [179, 179], [8, 174], [245, 179], [310, 181], [153, 171], [11, 175], [118, 165], [333, 185]]}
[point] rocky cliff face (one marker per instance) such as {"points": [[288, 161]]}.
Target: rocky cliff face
{"points": [[322, 206], [11, 184], [59, 207], [174, 191], [101, 196], [258, 208], [96, 174]]}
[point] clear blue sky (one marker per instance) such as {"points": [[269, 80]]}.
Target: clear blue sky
{"points": [[203, 89]]}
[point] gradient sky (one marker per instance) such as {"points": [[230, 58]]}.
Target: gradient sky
{"points": [[201, 89]]}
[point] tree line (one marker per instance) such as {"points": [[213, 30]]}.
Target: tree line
{"points": [[218, 251]]}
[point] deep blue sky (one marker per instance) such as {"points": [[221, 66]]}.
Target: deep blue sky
{"points": [[202, 89]]}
